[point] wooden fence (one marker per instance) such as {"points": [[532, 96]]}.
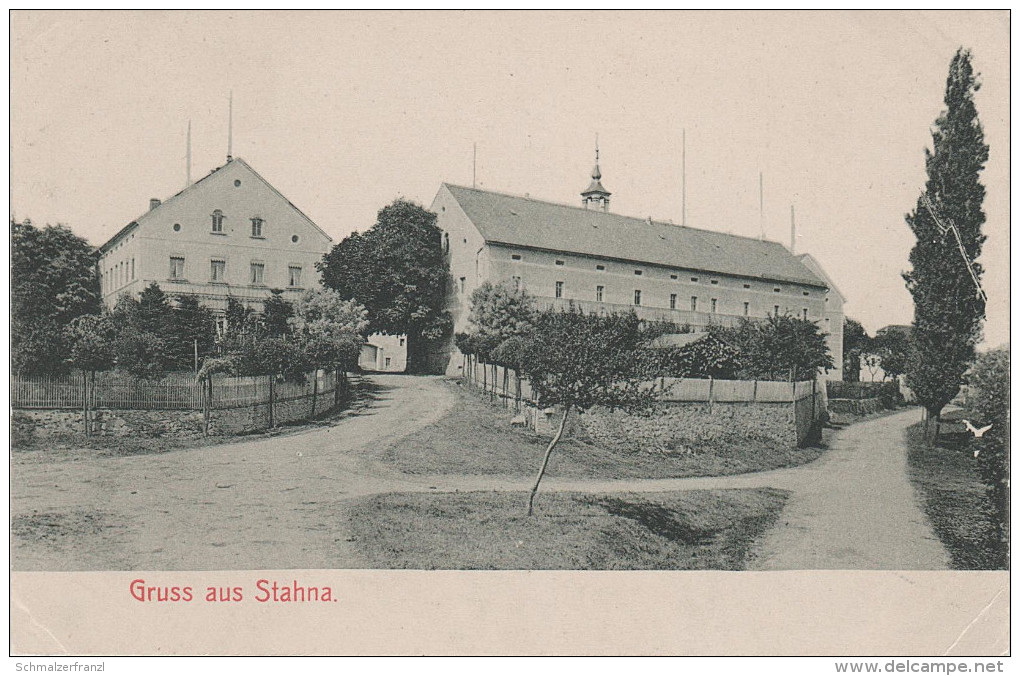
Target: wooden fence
{"points": [[503, 383], [177, 391]]}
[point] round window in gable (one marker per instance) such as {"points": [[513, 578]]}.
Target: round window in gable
{"points": [[237, 183], [177, 227], [294, 238]]}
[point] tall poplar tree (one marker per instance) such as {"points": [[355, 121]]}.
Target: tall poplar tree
{"points": [[948, 309]]}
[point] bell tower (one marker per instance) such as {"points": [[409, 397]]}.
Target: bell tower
{"points": [[596, 196]]}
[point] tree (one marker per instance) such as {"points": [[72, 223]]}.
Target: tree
{"points": [[194, 329], [855, 342], [53, 281], [332, 329], [398, 271], [948, 308], [144, 343], [893, 350], [276, 314], [499, 312], [91, 340], [989, 380], [780, 347], [709, 357], [577, 361]]}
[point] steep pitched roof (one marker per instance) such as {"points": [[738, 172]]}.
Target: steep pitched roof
{"points": [[526, 222], [237, 160]]}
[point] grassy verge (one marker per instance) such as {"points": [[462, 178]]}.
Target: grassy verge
{"points": [[953, 496], [476, 438], [686, 530]]}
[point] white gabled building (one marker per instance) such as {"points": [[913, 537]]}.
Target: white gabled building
{"points": [[230, 234]]}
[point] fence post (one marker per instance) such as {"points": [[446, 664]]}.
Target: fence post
{"points": [[315, 389], [206, 403], [85, 401], [754, 394], [711, 384], [272, 390], [814, 385]]}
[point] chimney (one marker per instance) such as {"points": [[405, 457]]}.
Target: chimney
{"points": [[153, 203]]}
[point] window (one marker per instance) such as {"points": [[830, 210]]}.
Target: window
{"points": [[387, 365], [217, 221], [638, 273], [258, 273], [694, 279], [777, 289], [672, 276], [672, 301], [132, 268], [219, 270], [805, 314], [807, 293], [637, 296], [775, 310], [256, 227], [747, 286], [559, 289], [294, 275], [715, 281], [176, 267], [517, 283], [715, 305], [221, 325], [600, 268], [402, 339], [462, 284], [515, 257], [559, 262], [446, 242], [694, 303], [598, 293], [747, 308]]}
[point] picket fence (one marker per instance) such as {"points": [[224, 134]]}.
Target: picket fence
{"points": [[176, 391], [503, 383]]}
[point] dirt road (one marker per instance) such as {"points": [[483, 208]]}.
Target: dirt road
{"points": [[272, 503], [281, 502]]}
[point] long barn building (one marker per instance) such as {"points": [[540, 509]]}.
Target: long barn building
{"points": [[605, 262]]}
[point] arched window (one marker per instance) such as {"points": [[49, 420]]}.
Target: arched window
{"points": [[217, 221]]}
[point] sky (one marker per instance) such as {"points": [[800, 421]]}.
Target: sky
{"points": [[344, 112]]}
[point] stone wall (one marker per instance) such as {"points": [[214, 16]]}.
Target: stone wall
{"points": [[847, 410]]}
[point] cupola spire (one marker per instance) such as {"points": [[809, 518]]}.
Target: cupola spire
{"points": [[596, 196]]}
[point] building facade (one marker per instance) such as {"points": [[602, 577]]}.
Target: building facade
{"points": [[605, 262], [230, 234]]}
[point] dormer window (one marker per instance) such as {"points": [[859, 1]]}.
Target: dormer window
{"points": [[256, 227], [217, 221]]}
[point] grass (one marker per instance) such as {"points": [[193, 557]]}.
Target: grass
{"points": [[953, 495], [684, 530], [476, 439]]}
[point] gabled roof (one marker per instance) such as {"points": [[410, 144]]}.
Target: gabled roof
{"points": [[811, 263], [531, 223], [237, 160]]}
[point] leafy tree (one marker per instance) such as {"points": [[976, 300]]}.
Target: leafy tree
{"points": [[780, 347], [276, 314], [709, 357], [855, 344], [144, 344], [240, 318], [948, 309], [53, 281], [398, 271], [577, 361], [499, 312], [332, 329], [91, 340], [194, 326], [989, 379], [893, 350]]}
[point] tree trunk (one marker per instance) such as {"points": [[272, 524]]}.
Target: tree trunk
{"points": [[545, 460]]}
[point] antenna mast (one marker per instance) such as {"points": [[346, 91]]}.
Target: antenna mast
{"points": [[683, 179], [793, 232], [474, 165], [761, 203], [230, 128], [187, 182]]}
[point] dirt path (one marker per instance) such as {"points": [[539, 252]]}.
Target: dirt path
{"points": [[282, 502], [272, 503]]}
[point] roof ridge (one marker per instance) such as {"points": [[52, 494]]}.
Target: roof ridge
{"points": [[614, 214]]}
